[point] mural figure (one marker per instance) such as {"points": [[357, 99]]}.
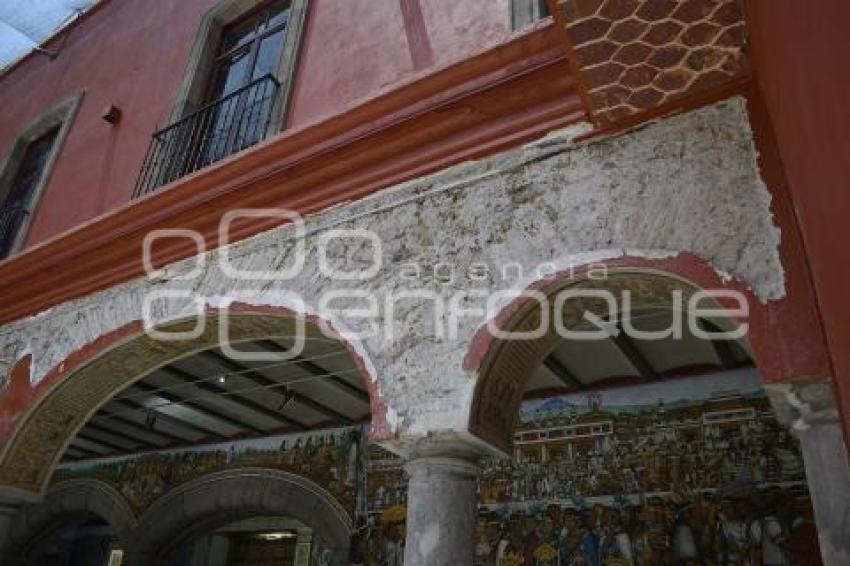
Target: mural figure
{"points": [[688, 472], [322, 456], [695, 471]]}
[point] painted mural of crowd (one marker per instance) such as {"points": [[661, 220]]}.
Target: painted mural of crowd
{"points": [[330, 458], [695, 473], [773, 527], [724, 440]]}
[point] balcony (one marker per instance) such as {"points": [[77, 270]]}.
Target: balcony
{"points": [[215, 131]]}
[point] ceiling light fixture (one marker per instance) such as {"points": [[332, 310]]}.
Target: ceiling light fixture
{"points": [[276, 535]]}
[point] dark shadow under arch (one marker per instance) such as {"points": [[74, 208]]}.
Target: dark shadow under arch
{"points": [[67, 503], [214, 500]]}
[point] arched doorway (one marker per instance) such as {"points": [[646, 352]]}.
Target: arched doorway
{"points": [[236, 420], [228, 518], [76, 392], [78, 522], [636, 444]]}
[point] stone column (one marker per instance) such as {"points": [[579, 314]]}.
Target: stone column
{"points": [[811, 412], [441, 505], [302, 546]]}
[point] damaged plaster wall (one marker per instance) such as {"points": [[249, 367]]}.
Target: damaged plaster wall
{"points": [[683, 184]]}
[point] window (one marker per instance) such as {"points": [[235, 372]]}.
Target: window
{"points": [[249, 49], [234, 91], [19, 199], [242, 86], [526, 12], [26, 170]]}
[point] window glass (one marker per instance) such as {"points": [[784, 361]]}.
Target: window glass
{"points": [[268, 55], [31, 167], [249, 49], [278, 14], [230, 73], [18, 201], [237, 35]]}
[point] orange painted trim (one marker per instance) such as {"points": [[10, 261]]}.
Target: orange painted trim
{"points": [[498, 99], [572, 59]]}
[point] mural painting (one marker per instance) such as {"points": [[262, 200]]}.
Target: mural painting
{"points": [[688, 471], [330, 458], [692, 471]]}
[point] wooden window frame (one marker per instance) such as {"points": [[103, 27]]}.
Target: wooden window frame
{"points": [[193, 89], [524, 13], [62, 116]]}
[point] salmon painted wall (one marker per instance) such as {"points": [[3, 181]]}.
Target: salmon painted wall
{"points": [[132, 53], [800, 51]]}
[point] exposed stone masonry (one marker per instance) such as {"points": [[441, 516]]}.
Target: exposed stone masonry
{"points": [[684, 184]]}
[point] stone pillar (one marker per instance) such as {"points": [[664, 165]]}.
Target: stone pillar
{"points": [[442, 497], [302, 546], [810, 410]]}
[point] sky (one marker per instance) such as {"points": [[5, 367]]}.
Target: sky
{"points": [[26, 24]]}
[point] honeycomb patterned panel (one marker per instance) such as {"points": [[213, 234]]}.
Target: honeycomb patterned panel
{"points": [[637, 54]]}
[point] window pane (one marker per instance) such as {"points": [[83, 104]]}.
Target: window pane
{"points": [[18, 201], [236, 35], [229, 74], [31, 167], [279, 13], [268, 55]]}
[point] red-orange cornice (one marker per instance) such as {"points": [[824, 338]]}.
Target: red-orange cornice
{"points": [[500, 98]]}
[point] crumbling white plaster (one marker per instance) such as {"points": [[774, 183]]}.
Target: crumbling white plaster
{"points": [[683, 184]]}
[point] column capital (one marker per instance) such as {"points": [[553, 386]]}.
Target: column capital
{"points": [[454, 445], [803, 405]]}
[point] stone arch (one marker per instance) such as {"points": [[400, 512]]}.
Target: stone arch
{"points": [[220, 498], [498, 364], [75, 389], [65, 503]]}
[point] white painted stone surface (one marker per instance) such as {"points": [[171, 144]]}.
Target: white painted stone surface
{"points": [[684, 184]]}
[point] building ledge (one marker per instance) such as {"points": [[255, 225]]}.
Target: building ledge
{"points": [[495, 100]]}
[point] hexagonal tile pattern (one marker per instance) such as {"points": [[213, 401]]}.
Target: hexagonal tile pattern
{"points": [[637, 54]]}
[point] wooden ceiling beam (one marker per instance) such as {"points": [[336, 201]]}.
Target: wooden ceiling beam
{"points": [[85, 452], [82, 435], [217, 388], [317, 370], [627, 347], [264, 381], [133, 405], [564, 375], [199, 407], [128, 436], [723, 349]]}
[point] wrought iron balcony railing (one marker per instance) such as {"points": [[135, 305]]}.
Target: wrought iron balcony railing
{"points": [[11, 218], [215, 131]]}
